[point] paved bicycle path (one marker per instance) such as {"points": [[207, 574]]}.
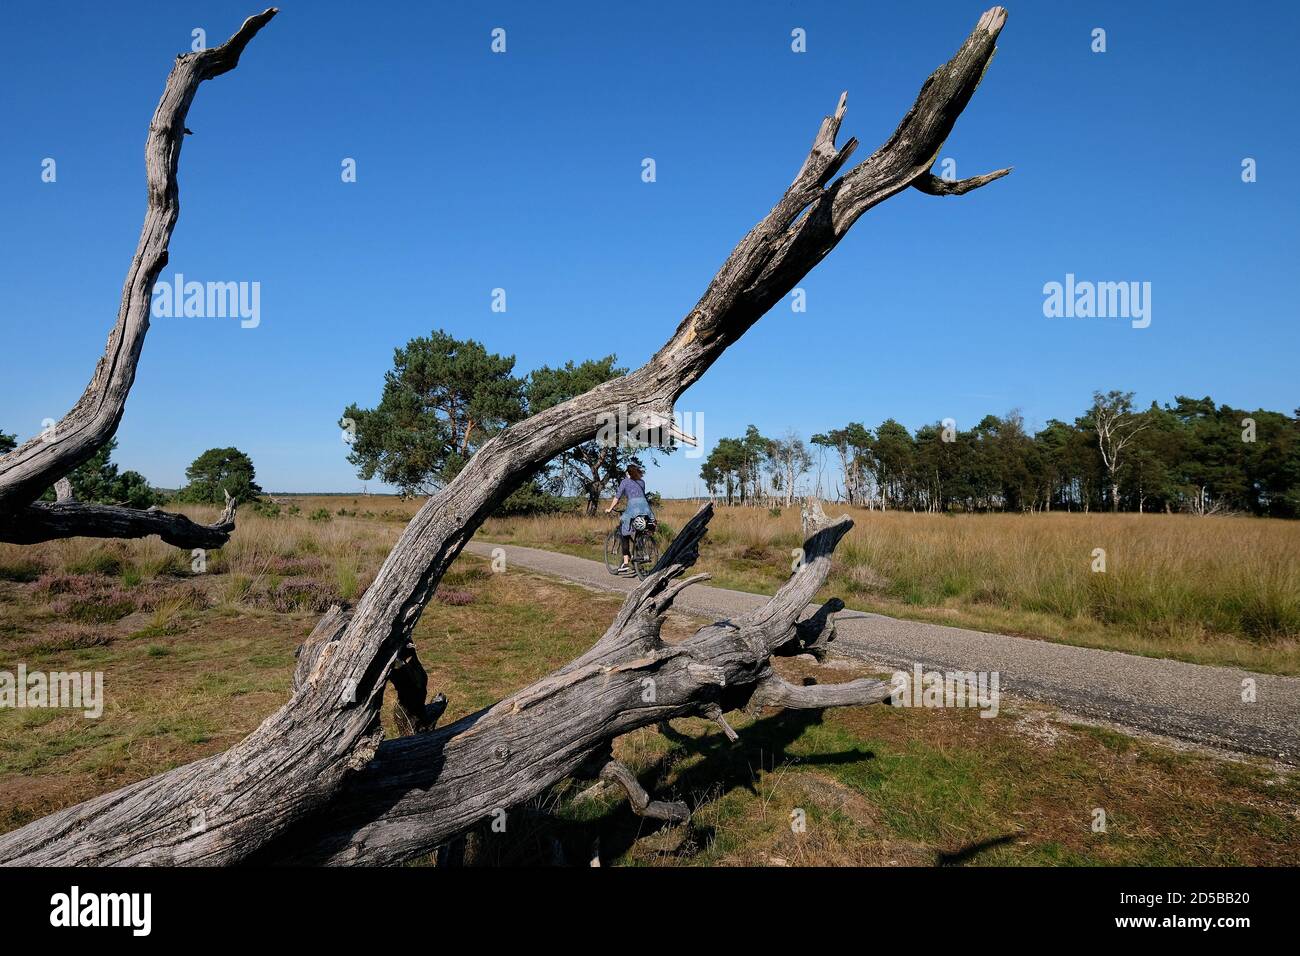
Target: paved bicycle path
{"points": [[1192, 702]]}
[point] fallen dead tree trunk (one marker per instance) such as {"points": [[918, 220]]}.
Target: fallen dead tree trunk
{"points": [[421, 790], [41, 521], [304, 757]]}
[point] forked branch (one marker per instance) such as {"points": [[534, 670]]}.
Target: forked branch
{"points": [[936, 186]]}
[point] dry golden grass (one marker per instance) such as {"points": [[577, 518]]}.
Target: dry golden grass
{"points": [[202, 659], [349, 546], [1207, 590]]}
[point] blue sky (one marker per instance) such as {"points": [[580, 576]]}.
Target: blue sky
{"points": [[523, 171]]}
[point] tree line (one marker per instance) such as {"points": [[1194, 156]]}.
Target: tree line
{"points": [[444, 397], [753, 469], [1189, 456]]}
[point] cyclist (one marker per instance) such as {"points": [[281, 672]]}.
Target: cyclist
{"points": [[633, 489]]}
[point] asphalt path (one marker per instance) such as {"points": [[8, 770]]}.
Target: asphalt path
{"points": [[1196, 703]]}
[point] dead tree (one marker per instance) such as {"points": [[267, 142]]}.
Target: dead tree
{"points": [[31, 468], [418, 791], [315, 781]]}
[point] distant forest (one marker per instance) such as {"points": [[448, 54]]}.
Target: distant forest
{"points": [[1191, 456]]}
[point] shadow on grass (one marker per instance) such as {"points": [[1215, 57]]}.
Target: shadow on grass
{"points": [[969, 852], [722, 768], [553, 830]]}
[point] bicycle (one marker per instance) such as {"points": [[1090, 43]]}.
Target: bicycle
{"points": [[644, 549]]}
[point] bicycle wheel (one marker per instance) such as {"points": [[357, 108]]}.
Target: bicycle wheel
{"points": [[613, 552], [645, 553]]}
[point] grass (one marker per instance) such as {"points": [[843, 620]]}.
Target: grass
{"points": [[884, 786], [1206, 590], [200, 659]]}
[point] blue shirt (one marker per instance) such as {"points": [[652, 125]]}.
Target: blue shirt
{"points": [[631, 488]]}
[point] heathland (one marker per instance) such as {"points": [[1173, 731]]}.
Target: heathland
{"points": [[195, 660]]}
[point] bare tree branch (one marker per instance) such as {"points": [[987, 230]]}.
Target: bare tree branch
{"points": [[674, 811], [422, 790], [318, 645], [776, 692], [35, 465], [715, 714], [813, 635], [935, 186], [41, 521], [411, 711]]}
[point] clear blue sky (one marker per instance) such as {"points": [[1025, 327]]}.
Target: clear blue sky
{"points": [[523, 171]]}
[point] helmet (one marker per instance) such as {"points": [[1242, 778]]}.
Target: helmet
{"points": [[640, 522]]}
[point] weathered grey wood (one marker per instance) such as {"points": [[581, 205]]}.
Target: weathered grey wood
{"points": [[815, 634], [715, 714], [673, 811], [318, 644], [35, 465], [811, 516], [411, 711], [42, 521], [773, 691], [321, 751], [936, 186]]}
